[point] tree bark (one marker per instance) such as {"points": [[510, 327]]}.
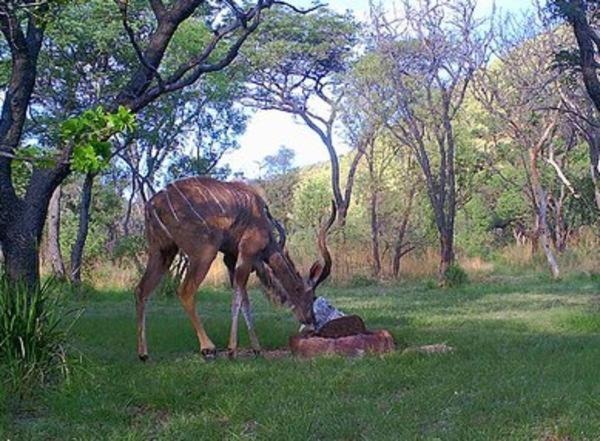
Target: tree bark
{"points": [[82, 231], [587, 41], [375, 234], [446, 252], [593, 139], [541, 206], [56, 259], [401, 248]]}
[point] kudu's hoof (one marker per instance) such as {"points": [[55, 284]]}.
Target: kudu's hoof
{"points": [[209, 354], [232, 354], [143, 357], [257, 353]]}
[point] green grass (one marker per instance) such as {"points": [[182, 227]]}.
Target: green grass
{"points": [[526, 366]]}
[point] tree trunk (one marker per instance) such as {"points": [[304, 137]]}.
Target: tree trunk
{"points": [[82, 231], [446, 252], [56, 259], [399, 248], [594, 147], [375, 235], [21, 256], [585, 36], [543, 233], [541, 208]]}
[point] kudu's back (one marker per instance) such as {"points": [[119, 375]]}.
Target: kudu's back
{"points": [[198, 210]]}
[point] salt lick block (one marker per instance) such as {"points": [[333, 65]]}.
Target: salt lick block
{"points": [[374, 342]]}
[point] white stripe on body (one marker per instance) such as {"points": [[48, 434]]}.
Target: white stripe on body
{"points": [[189, 204], [171, 205], [160, 222], [211, 195]]}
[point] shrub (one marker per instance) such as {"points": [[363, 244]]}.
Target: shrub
{"points": [[33, 335], [168, 285], [455, 276], [361, 281]]}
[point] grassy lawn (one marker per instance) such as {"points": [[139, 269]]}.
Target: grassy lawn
{"points": [[526, 366]]}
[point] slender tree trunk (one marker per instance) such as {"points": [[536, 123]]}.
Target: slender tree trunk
{"points": [[82, 231], [594, 148], [446, 251], [400, 247], [375, 234], [129, 207], [541, 207], [56, 259]]}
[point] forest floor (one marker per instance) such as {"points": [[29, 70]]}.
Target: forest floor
{"points": [[525, 366]]}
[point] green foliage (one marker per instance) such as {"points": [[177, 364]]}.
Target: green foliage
{"points": [[168, 285], [129, 246], [33, 336], [473, 227], [106, 214], [455, 276], [89, 132], [316, 44], [312, 199]]}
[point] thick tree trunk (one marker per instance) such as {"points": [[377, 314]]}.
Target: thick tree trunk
{"points": [[20, 241], [585, 36], [21, 256], [82, 231], [56, 259]]}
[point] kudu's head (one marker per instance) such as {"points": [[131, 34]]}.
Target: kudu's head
{"points": [[285, 284]]}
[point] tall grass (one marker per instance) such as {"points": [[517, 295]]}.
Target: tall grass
{"points": [[33, 335]]}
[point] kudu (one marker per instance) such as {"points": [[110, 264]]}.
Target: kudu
{"points": [[202, 216]]}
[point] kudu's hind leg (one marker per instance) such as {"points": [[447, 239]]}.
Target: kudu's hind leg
{"points": [[198, 268], [158, 263]]}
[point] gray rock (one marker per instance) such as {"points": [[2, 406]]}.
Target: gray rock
{"points": [[324, 312]]}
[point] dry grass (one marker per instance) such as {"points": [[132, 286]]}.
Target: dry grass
{"points": [[354, 262]]}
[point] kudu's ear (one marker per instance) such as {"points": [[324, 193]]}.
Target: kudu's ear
{"points": [[316, 270]]}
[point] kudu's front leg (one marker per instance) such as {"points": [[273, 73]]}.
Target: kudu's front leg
{"points": [[241, 301]]}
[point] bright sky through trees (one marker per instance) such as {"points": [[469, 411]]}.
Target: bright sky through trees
{"points": [[268, 130]]}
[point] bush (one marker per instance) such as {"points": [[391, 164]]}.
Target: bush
{"points": [[168, 285], [455, 276], [33, 335], [361, 281]]}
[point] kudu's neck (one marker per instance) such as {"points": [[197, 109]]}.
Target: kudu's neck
{"points": [[287, 274]]}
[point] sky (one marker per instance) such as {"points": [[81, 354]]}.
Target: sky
{"points": [[268, 130]]}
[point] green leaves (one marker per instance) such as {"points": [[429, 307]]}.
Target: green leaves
{"points": [[33, 153], [89, 133]]}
